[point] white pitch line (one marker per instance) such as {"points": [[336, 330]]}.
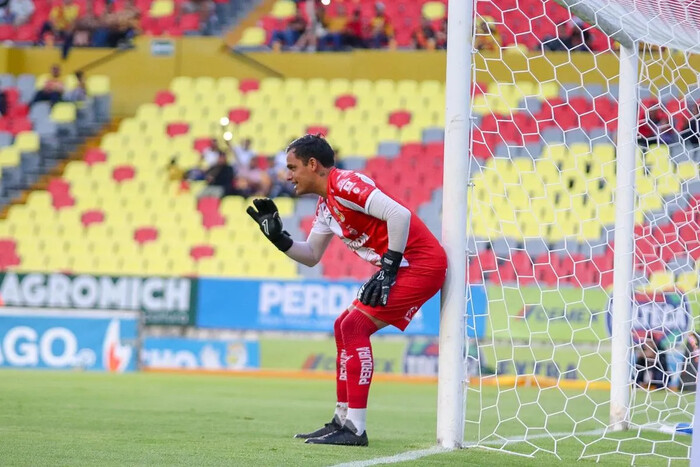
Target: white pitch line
{"points": [[403, 457], [414, 455]]}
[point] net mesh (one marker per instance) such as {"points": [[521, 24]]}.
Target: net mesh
{"points": [[540, 232]]}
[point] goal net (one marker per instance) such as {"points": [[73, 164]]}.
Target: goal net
{"points": [[552, 239]]}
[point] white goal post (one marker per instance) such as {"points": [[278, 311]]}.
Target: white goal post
{"points": [[645, 188]]}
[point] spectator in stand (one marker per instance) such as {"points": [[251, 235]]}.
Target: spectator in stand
{"points": [[313, 33], [655, 128], [290, 35], [53, 88], [691, 133], [210, 154], [487, 37], [243, 153], [354, 34], [335, 30], [561, 42], [381, 32], [124, 25], [581, 39], [205, 10], [650, 364], [86, 25], [441, 35], [79, 94], [220, 178], [16, 12], [278, 175], [424, 35], [61, 25], [254, 180]]}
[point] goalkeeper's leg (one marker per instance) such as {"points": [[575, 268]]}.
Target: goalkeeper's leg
{"points": [[341, 406], [356, 330]]}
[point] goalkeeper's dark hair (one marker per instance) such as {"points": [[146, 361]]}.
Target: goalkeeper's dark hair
{"points": [[315, 146]]}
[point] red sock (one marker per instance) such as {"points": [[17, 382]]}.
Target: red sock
{"points": [[356, 329], [341, 386]]}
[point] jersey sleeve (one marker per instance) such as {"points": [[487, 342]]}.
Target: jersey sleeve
{"points": [[354, 191], [320, 225]]}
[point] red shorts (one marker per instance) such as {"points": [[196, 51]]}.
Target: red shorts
{"points": [[412, 289]]}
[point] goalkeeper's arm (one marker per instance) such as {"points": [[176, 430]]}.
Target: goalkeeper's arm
{"points": [[309, 253]]}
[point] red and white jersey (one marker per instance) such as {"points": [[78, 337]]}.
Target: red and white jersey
{"points": [[344, 213]]}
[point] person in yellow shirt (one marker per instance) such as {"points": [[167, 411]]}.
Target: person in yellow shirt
{"points": [[487, 36], [61, 25], [335, 29], [381, 32]]}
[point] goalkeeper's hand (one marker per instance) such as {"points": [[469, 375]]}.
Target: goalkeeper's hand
{"points": [[268, 218], [376, 290]]}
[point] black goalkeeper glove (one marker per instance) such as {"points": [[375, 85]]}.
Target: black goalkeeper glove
{"points": [[268, 218], [376, 290]]}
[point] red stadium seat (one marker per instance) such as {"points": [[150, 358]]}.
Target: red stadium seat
{"points": [[94, 156], [317, 129], [239, 115], [177, 128], [144, 235], [123, 173], [164, 98], [248, 85], [346, 101], [400, 118], [208, 204], [94, 216]]}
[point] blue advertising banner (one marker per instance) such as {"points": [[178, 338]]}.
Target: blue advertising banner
{"points": [[61, 339], [199, 354], [299, 306]]}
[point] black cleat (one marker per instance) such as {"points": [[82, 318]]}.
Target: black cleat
{"points": [[343, 437], [334, 425]]}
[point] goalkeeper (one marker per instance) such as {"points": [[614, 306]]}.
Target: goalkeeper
{"points": [[412, 266]]}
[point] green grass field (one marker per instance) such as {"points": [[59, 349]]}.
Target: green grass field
{"points": [[72, 419]]}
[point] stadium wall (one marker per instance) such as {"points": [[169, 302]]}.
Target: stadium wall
{"points": [[137, 74]]}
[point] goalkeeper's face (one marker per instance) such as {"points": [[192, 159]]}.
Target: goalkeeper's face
{"points": [[304, 177]]}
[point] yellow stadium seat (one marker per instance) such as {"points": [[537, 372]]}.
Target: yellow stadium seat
{"points": [[9, 157], [204, 85], [109, 264], [661, 281], [687, 170], [283, 9], [63, 112], [161, 8], [27, 141], [32, 261], [148, 112], [39, 199], [181, 85], [410, 134], [358, 87], [687, 281], [253, 37], [227, 86], [434, 10], [317, 87], [97, 85], [407, 88], [133, 265], [158, 265], [430, 88]]}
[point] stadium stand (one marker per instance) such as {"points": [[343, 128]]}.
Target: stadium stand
{"points": [[406, 16], [33, 138], [120, 202], [156, 17]]}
